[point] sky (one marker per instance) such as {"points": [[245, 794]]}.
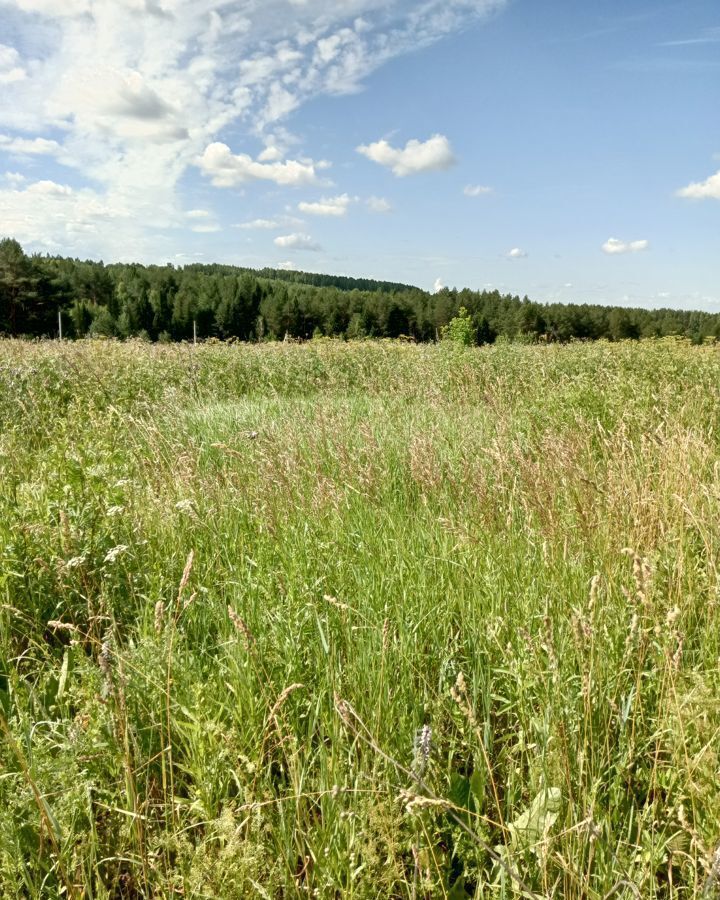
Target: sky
{"points": [[565, 150]]}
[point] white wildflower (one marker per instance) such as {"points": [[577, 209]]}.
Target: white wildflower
{"points": [[113, 554]]}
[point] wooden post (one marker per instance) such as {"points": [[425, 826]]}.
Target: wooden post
{"points": [[60, 323], [194, 332]]}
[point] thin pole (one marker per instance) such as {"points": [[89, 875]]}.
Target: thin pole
{"points": [[60, 323], [194, 332]]}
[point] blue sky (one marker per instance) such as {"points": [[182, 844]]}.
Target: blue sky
{"points": [[566, 150]]}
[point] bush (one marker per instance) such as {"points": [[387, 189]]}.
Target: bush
{"points": [[460, 330]]}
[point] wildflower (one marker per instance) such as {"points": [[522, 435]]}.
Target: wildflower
{"points": [[423, 748], [112, 555]]}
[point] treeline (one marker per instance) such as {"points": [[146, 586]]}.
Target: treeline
{"points": [[168, 303]]}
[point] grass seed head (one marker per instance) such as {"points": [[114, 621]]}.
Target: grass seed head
{"points": [[159, 616], [241, 627]]}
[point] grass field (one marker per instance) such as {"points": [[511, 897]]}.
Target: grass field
{"points": [[361, 620]]}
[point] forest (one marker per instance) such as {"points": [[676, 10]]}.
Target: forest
{"points": [[168, 303]]}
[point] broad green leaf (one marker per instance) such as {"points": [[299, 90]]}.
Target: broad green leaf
{"points": [[537, 820]]}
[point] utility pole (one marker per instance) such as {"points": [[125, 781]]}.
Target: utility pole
{"points": [[60, 323]]}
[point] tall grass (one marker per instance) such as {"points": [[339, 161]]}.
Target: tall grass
{"points": [[368, 620]]}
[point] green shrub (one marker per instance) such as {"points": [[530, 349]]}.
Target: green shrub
{"points": [[460, 330]]}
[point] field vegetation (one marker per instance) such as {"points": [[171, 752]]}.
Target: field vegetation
{"points": [[359, 620]]}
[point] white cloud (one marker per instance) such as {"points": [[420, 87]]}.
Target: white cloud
{"points": [[378, 204], [286, 266], [225, 169], [15, 178], [140, 90], [269, 224], [438, 286], [12, 76], [702, 190], [207, 228], [708, 36], [26, 147], [10, 69], [9, 56], [271, 154], [202, 221], [476, 190], [296, 241], [66, 9], [416, 156], [614, 246], [46, 213], [517, 253], [327, 206]]}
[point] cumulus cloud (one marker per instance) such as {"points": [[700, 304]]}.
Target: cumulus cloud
{"points": [[15, 178], [271, 154], [328, 206], [28, 147], [517, 253], [202, 221], [66, 9], [10, 69], [206, 228], [702, 190], [141, 90], [286, 266], [476, 190], [615, 247], [226, 169], [416, 156], [378, 204], [46, 213], [8, 56], [136, 99], [438, 286], [269, 224], [297, 241]]}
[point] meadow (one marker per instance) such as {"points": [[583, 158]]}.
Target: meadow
{"points": [[359, 620]]}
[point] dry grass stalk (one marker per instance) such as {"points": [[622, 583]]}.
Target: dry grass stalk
{"points": [[277, 706], [338, 604], [416, 803], [186, 575], [241, 627], [56, 625]]}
